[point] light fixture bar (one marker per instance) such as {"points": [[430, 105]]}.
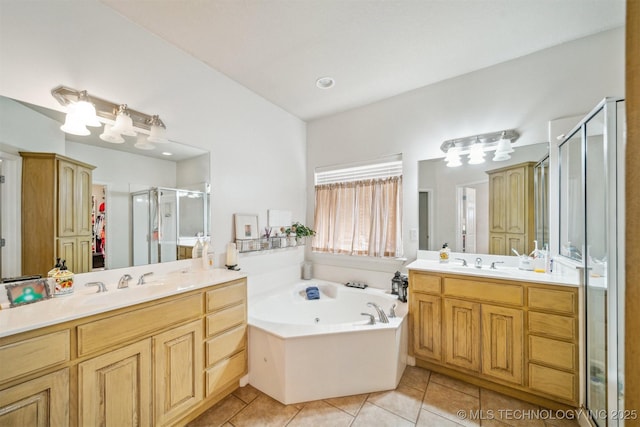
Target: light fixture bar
{"points": [[488, 140], [105, 109]]}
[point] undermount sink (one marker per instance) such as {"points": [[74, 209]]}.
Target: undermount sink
{"points": [[104, 298]]}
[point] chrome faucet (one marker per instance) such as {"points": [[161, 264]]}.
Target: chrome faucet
{"points": [[101, 286], [464, 261], [478, 262], [141, 279], [372, 320], [493, 264], [392, 311], [381, 316], [124, 281]]}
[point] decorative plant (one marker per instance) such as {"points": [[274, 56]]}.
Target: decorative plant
{"points": [[300, 230]]}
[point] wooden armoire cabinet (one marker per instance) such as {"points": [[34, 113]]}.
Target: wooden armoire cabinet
{"points": [[56, 213], [511, 209]]}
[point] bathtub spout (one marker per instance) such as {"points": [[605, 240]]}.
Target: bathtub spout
{"points": [[382, 317]]}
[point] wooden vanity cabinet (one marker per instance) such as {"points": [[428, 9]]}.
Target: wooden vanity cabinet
{"points": [[511, 209], [514, 337], [160, 363], [56, 213]]}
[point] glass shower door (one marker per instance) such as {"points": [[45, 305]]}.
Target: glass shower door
{"points": [[597, 236]]}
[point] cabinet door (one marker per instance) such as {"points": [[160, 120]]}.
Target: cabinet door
{"points": [[497, 202], [83, 260], [43, 401], [497, 244], [115, 388], [502, 343], [67, 249], [67, 199], [516, 184], [76, 251], [83, 200], [427, 326], [462, 333], [179, 371], [517, 242]]}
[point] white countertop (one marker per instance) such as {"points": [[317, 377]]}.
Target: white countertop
{"points": [[86, 302], [501, 272]]}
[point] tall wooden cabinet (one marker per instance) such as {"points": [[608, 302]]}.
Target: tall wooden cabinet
{"points": [[511, 209], [56, 212]]}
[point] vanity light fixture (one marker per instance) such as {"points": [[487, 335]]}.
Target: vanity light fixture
{"points": [[84, 110], [477, 146]]}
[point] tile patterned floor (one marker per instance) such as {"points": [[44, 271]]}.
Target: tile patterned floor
{"points": [[422, 399]]}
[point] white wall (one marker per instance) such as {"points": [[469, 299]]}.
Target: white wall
{"points": [[257, 149], [524, 94]]}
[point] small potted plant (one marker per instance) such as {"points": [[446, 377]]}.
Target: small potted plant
{"points": [[299, 232]]}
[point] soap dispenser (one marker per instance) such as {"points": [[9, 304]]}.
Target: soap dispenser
{"points": [[445, 253]]}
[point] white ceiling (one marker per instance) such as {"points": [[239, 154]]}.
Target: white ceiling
{"points": [[374, 49]]}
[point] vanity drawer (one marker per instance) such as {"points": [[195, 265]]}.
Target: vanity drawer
{"points": [[226, 295], [556, 300], [104, 333], [484, 291], [225, 319], [24, 357], [552, 382], [552, 325], [425, 283], [225, 371], [226, 344], [559, 354]]}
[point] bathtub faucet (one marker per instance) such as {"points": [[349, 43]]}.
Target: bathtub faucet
{"points": [[381, 316]]}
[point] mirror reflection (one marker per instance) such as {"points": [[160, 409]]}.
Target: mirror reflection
{"points": [[119, 171], [454, 204]]}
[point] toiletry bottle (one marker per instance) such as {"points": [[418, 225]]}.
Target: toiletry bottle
{"points": [[205, 254], [197, 248], [539, 261], [445, 253]]}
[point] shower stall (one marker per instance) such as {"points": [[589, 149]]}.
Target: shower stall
{"points": [[591, 237], [163, 219]]}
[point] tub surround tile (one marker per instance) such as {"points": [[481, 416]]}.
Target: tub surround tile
{"points": [[350, 404], [415, 377], [455, 384], [319, 414], [403, 401], [372, 415], [447, 402], [429, 419], [264, 411]]}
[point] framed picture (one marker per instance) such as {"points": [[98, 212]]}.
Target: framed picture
{"points": [[246, 226], [27, 292]]}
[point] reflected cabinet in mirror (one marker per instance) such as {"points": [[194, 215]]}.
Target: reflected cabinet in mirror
{"points": [[75, 196], [486, 208]]}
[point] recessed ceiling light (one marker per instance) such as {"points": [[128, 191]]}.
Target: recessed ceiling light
{"points": [[166, 153], [325, 82]]}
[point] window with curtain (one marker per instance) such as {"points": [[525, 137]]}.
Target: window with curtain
{"points": [[358, 210]]}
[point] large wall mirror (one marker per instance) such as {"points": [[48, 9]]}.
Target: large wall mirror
{"points": [[454, 202], [175, 187]]}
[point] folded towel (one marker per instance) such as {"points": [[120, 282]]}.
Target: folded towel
{"points": [[312, 292]]}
